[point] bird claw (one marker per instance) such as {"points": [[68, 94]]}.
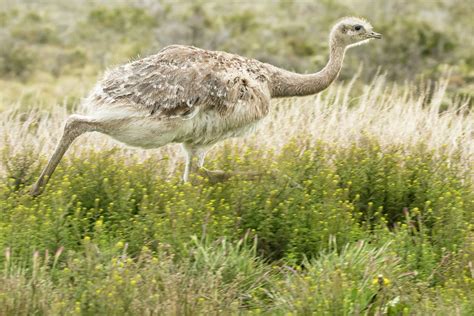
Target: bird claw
{"points": [[215, 175], [36, 190]]}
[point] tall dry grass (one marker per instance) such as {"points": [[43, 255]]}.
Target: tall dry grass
{"points": [[382, 111], [127, 240]]}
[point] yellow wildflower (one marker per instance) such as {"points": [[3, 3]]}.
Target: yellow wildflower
{"points": [[381, 280]]}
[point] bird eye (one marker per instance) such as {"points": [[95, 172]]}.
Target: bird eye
{"points": [[358, 27]]}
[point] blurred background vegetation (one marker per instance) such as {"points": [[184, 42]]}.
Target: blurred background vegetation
{"points": [[370, 210], [51, 50]]}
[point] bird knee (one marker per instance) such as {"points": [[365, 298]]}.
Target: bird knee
{"points": [[77, 125]]}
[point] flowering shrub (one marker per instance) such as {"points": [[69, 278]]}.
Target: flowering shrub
{"points": [[124, 229]]}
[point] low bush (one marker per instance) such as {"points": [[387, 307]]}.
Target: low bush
{"points": [[122, 230]]}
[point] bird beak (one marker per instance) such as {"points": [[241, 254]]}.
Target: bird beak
{"points": [[375, 35]]}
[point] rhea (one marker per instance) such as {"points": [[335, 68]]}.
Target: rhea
{"points": [[195, 97]]}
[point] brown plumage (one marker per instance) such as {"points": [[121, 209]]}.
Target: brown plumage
{"points": [[180, 78], [196, 97]]}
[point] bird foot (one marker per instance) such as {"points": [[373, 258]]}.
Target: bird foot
{"points": [[36, 190], [215, 176]]}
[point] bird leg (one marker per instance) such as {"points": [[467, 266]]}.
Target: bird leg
{"points": [[75, 126], [194, 165], [194, 159], [218, 175], [215, 175], [187, 167]]}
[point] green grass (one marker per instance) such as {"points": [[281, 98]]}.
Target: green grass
{"points": [[365, 200], [311, 234], [363, 205]]}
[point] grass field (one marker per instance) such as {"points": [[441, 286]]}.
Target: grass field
{"points": [[364, 205], [364, 199]]}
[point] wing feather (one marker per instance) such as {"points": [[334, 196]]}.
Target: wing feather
{"points": [[179, 80]]}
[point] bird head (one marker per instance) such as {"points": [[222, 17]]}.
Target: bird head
{"points": [[352, 31]]}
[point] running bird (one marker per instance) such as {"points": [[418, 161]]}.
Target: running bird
{"points": [[196, 97]]}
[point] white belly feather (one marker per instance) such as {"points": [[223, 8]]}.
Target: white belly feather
{"points": [[205, 128]]}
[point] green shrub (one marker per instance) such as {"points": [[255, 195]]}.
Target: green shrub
{"points": [[33, 28], [15, 60], [212, 276], [416, 44], [120, 19], [358, 280], [294, 207]]}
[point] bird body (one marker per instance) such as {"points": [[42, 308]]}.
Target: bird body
{"points": [[196, 97], [182, 94]]}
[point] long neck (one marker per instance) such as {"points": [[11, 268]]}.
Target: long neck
{"points": [[287, 84]]}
